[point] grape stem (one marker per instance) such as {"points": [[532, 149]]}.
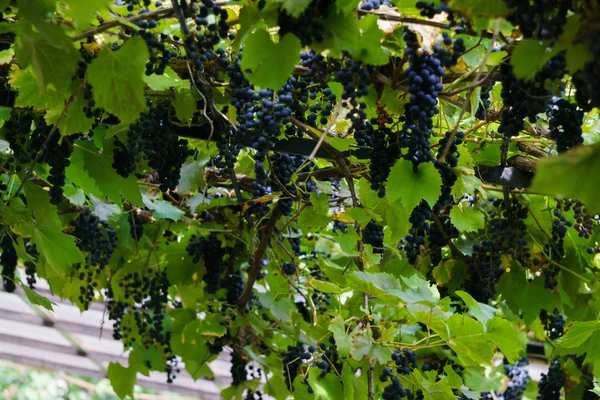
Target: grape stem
{"points": [[446, 150]]}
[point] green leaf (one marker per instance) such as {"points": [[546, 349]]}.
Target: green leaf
{"points": [[568, 175], [369, 49], [267, 64], [122, 379], [343, 341], [411, 188], [184, 104], [281, 309], [506, 336], [295, 7], [340, 34], [582, 338], [30, 93], [326, 387], [390, 100], [99, 166], [481, 311], [488, 8], [326, 287], [37, 299], [468, 341], [57, 249], [169, 79], [578, 54], [163, 209], [467, 219], [117, 79], [74, 120], [83, 11], [49, 52], [192, 174], [530, 56], [376, 284]]}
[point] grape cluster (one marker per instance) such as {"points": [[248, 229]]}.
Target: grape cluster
{"points": [[406, 361], [394, 391], [369, 5], [554, 323], [208, 249], [17, 132], [556, 247], [584, 221], [144, 299], [373, 234], [419, 219], [238, 368], [543, 21], [385, 151], [288, 269], [96, 238], [485, 101], [430, 10], [424, 83], [31, 266], [508, 235], [136, 225], [445, 169], [8, 261], [527, 99], [150, 139], [234, 285], [160, 55], [565, 124], [309, 26], [551, 383], [519, 378], [292, 361]]}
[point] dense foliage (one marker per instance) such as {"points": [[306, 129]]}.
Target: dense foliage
{"points": [[358, 200]]}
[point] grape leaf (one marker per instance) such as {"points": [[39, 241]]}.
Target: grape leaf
{"points": [[582, 338], [530, 56], [162, 209], [267, 64], [488, 8], [568, 175], [368, 50], [30, 92], [184, 104], [295, 7], [467, 219], [169, 79], [122, 379], [49, 52], [117, 79], [37, 299], [75, 120], [411, 188], [343, 341], [506, 336], [99, 167], [82, 12]]}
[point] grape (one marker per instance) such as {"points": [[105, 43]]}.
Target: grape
{"points": [[30, 266], [519, 378], [208, 248], [527, 99], [8, 261], [406, 361], [586, 82], [424, 83], [430, 10], [234, 284], [394, 390], [150, 138], [373, 235], [309, 26], [565, 124], [160, 55], [292, 361], [95, 237], [238, 368], [288, 269], [554, 323], [383, 156], [484, 98], [545, 22], [551, 383], [136, 225]]}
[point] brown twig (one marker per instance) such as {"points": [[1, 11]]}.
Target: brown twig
{"points": [[446, 150], [265, 235]]}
